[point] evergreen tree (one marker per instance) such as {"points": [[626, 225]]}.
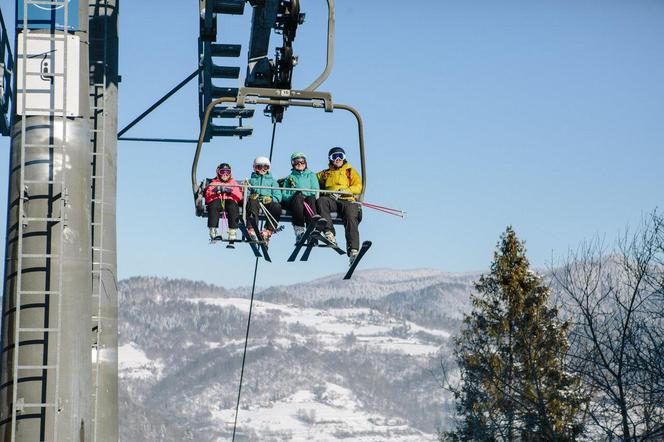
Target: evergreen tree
{"points": [[511, 355]]}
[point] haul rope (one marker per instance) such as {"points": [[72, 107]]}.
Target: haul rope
{"points": [[251, 305]]}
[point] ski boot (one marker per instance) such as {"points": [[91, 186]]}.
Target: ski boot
{"points": [[352, 254], [252, 234], [232, 235], [329, 235], [299, 232], [213, 233], [266, 234]]}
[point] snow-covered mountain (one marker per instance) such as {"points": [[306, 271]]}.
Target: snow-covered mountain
{"points": [[327, 360], [370, 284]]}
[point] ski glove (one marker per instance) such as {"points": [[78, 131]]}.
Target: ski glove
{"points": [[253, 196], [267, 199], [227, 190]]}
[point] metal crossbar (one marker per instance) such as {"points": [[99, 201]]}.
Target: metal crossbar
{"points": [[61, 116]]}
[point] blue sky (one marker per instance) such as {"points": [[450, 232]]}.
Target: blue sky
{"points": [[478, 114]]}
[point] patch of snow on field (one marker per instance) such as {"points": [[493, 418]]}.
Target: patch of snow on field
{"points": [[134, 364], [334, 325], [328, 414]]}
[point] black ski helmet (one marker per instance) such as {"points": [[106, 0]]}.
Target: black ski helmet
{"points": [[336, 150]]}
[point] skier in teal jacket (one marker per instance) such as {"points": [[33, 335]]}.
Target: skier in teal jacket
{"points": [[301, 203], [269, 198]]}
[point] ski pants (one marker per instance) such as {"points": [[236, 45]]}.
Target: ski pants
{"points": [[351, 214], [299, 212], [214, 212], [274, 208]]}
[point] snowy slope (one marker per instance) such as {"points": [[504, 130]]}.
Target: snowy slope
{"points": [[330, 413], [355, 364]]}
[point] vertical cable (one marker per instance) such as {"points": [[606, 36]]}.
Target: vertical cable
{"points": [[244, 354], [251, 307], [274, 129]]}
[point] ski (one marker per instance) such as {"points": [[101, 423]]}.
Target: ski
{"points": [[310, 246], [363, 249], [313, 239], [305, 237], [247, 238], [261, 241], [230, 243]]}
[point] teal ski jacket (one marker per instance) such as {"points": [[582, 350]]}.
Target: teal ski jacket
{"points": [[300, 180], [265, 180]]}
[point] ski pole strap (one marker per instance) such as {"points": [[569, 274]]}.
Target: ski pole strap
{"points": [[309, 209]]}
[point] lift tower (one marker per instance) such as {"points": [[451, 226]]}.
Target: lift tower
{"points": [[104, 81], [45, 380]]}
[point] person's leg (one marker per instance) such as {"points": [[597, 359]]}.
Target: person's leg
{"points": [[233, 211], [252, 211], [214, 210], [311, 202], [274, 209], [325, 206], [296, 207], [350, 212]]}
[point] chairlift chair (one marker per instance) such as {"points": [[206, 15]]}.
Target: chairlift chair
{"points": [[273, 97]]}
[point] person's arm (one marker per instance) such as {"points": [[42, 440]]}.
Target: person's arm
{"points": [[286, 195], [210, 194], [236, 194], [319, 176], [276, 193], [313, 183], [355, 182]]}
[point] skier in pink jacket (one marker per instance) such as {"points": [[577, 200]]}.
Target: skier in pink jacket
{"points": [[223, 195]]}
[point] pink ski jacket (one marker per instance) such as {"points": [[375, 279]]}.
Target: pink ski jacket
{"points": [[211, 195]]}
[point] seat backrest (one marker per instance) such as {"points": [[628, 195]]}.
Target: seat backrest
{"points": [[201, 208]]}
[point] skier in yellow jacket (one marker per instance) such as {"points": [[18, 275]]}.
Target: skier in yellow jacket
{"points": [[341, 176]]}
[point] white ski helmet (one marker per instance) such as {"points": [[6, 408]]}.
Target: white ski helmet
{"points": [[261, 161]]}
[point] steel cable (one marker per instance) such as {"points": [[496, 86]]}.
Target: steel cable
{"points": [[244, 354], [251, 305]]}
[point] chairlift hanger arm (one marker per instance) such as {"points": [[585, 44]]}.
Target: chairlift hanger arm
{"points": [[330, 49], [285, 98], [265, 14]]}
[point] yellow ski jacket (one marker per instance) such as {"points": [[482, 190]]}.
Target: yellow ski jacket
{"points": [[344, 179]]}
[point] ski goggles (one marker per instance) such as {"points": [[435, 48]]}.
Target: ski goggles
{"points": [[337, 156], [299, 161], [261, 166], [224, 171]]}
